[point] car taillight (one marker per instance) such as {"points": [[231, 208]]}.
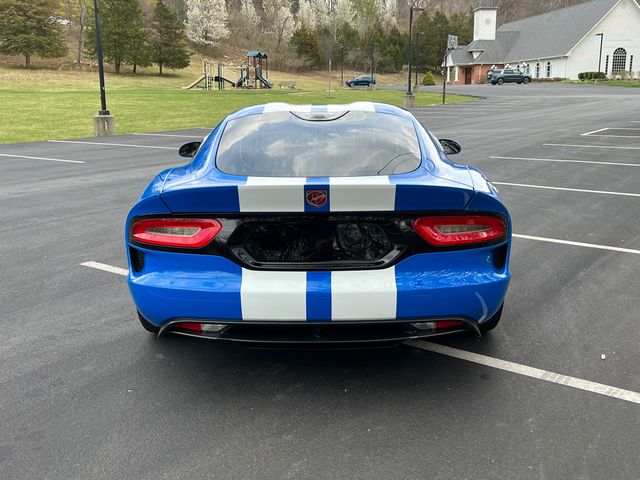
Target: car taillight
{"points": [[460, 230], [176, 232]]}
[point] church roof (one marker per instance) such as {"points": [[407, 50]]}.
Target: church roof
{"points": [[551, 34]]}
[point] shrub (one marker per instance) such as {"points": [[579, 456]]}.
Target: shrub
{"points": [[591, 76], [428, 79]]}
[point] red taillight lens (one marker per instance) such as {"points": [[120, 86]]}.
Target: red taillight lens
{"points": [[176, 232], [190, 326], [460, 230]]}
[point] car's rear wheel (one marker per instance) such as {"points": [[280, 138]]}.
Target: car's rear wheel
{"points": [[526, 80], [500, 81], [491, 323], [147, 325], [493, 83]]}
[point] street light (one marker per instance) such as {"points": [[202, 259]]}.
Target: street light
{"points": [[342, 65], [601, 35], [373, 48], [104, 123], [409, 97], [418, 34]]}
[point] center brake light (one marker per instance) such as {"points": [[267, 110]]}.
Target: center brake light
{"points": [[176, 232], [460, 230]]}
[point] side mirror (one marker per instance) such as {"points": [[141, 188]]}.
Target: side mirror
{"points": [[189, 150], [450, 147]]}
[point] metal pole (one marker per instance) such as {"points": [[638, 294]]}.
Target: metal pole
{"points": [[342, 66], [600, 55], [103, 95], [417, 53], [444, 77], [372, 60], [410, 50]]}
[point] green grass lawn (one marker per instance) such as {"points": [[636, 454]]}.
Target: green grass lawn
{"points": [[44, 104], [620, 83]]}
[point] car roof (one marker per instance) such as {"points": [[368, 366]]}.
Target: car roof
{"points": [[347, 107]]}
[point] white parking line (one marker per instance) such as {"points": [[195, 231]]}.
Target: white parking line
{"points": [[582, 190], [106, 268], [569, 161], [40, 158], [589, 146], [599, 388], [594, 131], [112, 144], [577, 244], [537, 373], [166, 135], [627, 395], [615, 136]]}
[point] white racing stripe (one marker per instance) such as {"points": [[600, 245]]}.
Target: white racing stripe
{"points": [[589, 146], [272, 194], [566, 189], [568, 161], [112, 144], [39, 158], [537, 373], [365, 194], [106, 268], [363, 295], [577, 244], [273, 295]]}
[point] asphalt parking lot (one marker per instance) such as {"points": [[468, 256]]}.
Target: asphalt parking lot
{"points": [[552, 393]]}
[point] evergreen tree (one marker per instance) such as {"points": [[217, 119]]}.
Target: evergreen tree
{"points": [[30, 27], [168, 49], [305, 44], [124, 33]]}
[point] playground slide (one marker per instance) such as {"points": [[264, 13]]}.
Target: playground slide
{"points": [[230, 82], [188, 87], [241, 81], [264, 81]]}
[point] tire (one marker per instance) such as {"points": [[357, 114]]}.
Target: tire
{"points": [[493, 83], [519, 83], [492, 322], [147, 325], [500, 81], [526, 80]]}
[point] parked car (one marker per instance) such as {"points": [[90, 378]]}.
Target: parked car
{"points": [[269, 235], [507, 75], [362, 80]]}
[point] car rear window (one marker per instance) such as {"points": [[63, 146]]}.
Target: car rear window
{"points": [[335, 144]]}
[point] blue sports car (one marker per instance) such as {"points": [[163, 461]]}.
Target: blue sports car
{"points": [[336, 223]]}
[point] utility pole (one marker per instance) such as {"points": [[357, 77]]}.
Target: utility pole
{"points": [[104, 123], [342, 65], [409, 99], [418, 34]]}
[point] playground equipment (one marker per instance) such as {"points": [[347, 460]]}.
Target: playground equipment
{"points": [[260, 77], [225, 75]]}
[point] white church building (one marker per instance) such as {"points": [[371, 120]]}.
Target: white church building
{"points": [[557, 44]]}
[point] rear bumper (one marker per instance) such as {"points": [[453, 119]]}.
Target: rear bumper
{"points": [[322, 332], [468, 285]]}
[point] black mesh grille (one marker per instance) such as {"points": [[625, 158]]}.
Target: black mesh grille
{"points": [[137, 259]]}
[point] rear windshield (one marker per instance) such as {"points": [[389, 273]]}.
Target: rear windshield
{"points": [[286, 144]]}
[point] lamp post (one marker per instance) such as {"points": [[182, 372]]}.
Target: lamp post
{"points": [[409, 100], [418, 34], [373, 48], [601, 35], [342, 65], [104, 122]]}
